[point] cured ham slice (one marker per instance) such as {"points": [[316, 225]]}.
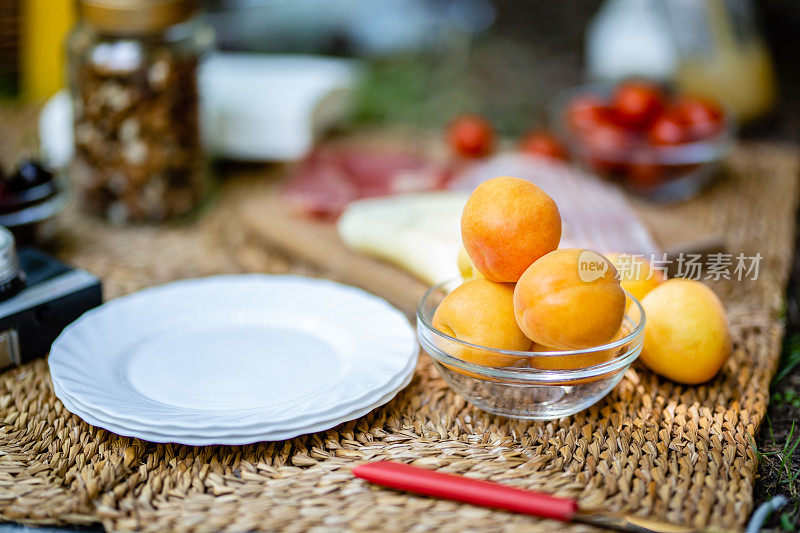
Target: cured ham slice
{"points": [[326, 181]]}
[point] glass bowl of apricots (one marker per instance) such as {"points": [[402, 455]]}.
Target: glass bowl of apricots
{"points": [[530, 331]]}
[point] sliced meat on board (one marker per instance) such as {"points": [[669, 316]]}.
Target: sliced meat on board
{"points": [[328, 179]]}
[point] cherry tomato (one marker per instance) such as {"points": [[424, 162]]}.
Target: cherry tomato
{"points": [[702, 116], [606, 146], [544, 144], [471, 136], [637, 103], [607, 139], [585, 112], [668, 128]]}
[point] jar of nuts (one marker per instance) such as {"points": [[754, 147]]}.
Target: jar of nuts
{"points": [[133, 78]]}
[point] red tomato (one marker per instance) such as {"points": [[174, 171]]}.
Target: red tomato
{"points": [[471, 136], [607, 139], [668, 128], [585, 112], [637, 103], [606, 146], [544, 144], [702, 116]]}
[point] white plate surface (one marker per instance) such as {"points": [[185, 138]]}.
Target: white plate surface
{"points": [[230, 352], [397, 383], [230, 438]]}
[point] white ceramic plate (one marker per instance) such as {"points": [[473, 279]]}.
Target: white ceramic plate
{"points": [[229, 438], [396, 384], [231, 352]]}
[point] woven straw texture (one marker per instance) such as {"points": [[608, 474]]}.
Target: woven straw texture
{"points": [[651, 447]]}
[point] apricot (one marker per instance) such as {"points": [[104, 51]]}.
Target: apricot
{"points": [[482, 312], [465, 266], [636, 274], [507, 224], [686, 335], [570, 299]]}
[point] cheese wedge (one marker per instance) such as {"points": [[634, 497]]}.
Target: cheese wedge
{"points": [[419, 232]]}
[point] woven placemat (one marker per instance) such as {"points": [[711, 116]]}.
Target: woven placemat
{"points": [[651, 447]]}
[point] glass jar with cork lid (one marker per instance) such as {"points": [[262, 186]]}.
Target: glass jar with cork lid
{"points": [[133, 68]]}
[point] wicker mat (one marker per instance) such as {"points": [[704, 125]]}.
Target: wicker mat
{"points": [[651, 447]]}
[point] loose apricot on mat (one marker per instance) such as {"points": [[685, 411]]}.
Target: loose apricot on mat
{"points": [[636, 274], [570, 299], [507, 224], [481, 312], [686, 335]]}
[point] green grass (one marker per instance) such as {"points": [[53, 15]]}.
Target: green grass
{"points": [[779, 468], [789, 359], [783, 479], [425, 92], [786, 520], [786, 397], [783, 455]]}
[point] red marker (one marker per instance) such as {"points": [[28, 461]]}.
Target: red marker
{"points": [[488, 494]]}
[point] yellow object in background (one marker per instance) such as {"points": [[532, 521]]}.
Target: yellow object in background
{"points": [[742, 78], [419, 232], [45, 25], [735, 69], [465, 266], [636, 275]]}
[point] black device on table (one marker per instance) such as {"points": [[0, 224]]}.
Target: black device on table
{"points": [[39, 297]]}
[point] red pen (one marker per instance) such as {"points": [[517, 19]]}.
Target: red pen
{"points": [[488, 494]]}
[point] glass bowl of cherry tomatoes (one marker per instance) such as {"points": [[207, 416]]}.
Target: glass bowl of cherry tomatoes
{"points": [[660, 145]]}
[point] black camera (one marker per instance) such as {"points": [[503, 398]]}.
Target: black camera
{"points": [[39, 297]]}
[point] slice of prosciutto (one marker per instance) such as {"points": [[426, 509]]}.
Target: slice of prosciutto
{"points": [[328, 179]]}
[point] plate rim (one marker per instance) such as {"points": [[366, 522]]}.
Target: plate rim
{"points": [[409, 370], [242, 440]]}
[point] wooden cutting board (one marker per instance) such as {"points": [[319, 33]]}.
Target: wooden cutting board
{"points": [[269, 220], [266, 217]]}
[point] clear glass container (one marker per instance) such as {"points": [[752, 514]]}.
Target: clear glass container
{"points": [[133, 67], [722, 55], [539, 385], [659, 173]]}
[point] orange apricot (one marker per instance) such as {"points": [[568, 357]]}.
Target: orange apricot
{"points": [[481, 312], [507, 224], [570, 299]]}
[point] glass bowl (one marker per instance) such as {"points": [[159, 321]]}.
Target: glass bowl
{"points": [[660, 173], [538, 385]]}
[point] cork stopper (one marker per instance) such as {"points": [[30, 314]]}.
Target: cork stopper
{"points": [[135, 17]]}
